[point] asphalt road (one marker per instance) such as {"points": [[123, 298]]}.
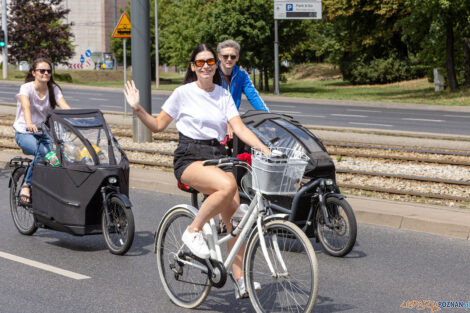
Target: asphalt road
{"points": [[430, 121], [386, 267]]}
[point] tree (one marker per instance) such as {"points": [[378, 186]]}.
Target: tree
{"points": [[36, 28]]}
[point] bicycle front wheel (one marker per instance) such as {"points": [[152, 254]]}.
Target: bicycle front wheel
{"points": [[187, 286], [22, 217], [339, 238], [294, 285], [119, 231]]}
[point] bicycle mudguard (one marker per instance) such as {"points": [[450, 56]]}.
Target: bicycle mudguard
{"points": [[123, 198], [12, 174], [335, 195]]}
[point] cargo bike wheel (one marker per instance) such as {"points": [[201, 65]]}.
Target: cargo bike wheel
{"points": [[23, 217], [339, 238], [119, 231]]}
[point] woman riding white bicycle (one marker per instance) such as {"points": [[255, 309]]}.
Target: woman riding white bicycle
{"points": [[202, 109]]}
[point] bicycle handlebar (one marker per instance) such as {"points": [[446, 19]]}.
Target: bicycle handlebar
{"points": [[223, 161]]}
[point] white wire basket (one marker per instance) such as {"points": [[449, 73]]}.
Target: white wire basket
{"points": [[279, 173]]}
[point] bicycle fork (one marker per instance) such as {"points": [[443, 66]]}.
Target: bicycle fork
{"points": [[277, 251]]}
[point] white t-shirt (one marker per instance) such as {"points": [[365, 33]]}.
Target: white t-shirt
{"points": [[200, 114], [39, 107]]}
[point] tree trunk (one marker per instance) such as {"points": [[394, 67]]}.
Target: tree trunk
{"points": [[450, 60], [466, 55], [266, 81], [260, 87]]}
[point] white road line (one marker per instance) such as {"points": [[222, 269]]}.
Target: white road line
{"points": [[279, 111], [308, 115], [422, 120], [109, 106], [98, 99], [72, 99], [370, 124], [282, 105], [457, 116], [8, 92], [349, 115], [363, 110], [43, 266]]}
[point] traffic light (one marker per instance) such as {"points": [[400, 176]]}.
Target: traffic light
{"points": [[2, 39]]}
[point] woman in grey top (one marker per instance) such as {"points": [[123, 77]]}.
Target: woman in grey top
{"points": [[38, 96]]}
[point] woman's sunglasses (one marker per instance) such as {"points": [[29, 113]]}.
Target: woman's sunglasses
{"points": [[226, 56], [200, 63], [43, 71]]}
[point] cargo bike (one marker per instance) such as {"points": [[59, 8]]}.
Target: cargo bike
{"points": [[317, 206], [84, 187]]}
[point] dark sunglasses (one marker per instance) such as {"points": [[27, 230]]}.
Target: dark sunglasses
{"points": [[43, 71], [226, 56], [200, 63]]}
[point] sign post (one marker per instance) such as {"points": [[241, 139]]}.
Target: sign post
{"points": [[123, 30], [291, 10]]}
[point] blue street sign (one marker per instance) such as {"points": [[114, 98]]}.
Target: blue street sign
{"points": [[88, 53], [82, 59], [289, 7]]}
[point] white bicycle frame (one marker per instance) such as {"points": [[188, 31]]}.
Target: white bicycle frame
{"points": [[254, 214]]}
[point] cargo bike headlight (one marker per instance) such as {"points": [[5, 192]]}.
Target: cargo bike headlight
{"points": [[112, 180]]}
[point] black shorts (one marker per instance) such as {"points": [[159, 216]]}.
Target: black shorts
{"points": [[190, 150]]}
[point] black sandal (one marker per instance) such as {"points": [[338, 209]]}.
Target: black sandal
{"points": [[24, 200]]}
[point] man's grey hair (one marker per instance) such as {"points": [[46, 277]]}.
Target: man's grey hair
{"points": [[228, 44]]}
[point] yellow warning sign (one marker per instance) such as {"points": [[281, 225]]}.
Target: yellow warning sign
{"points": [[123, 28]]}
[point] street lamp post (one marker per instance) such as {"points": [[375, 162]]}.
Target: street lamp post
{"points": [[157, 61]]}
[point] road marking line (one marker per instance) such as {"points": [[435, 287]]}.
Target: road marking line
{"points": [[372, 124], [309, 115], [349, 115], [98, 99], [72, 99], [109, 106], [43, 266], [457, 116], [291, 112], [363, 110], [282, 105], [8, 92], [422, 120]]}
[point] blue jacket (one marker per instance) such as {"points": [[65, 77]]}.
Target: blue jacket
{"points": [[240, 81]]}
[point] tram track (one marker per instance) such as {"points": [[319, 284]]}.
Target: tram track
{"points": [[452, 189]]}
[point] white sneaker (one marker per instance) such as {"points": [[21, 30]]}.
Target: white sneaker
{"points": [[196, 243], [241, 292]]}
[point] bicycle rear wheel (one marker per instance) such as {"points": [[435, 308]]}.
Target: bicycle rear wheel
{"points": [[187, 286], [22, 217], [294, 287], [339, 239]]}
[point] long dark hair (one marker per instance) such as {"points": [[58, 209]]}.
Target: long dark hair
{"points": [[190, 75], [50, 84]]}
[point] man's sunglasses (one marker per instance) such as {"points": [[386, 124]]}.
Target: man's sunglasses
{"points": [[226, 56], [200, 63], [43, 71]]}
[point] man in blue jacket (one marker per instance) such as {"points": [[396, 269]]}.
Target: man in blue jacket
{"points": [[236, 79]]}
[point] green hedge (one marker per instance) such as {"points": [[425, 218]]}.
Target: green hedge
{"points": [[382, 71]]}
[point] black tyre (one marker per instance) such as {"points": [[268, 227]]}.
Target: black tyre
{"points": [[23, 217], [294, 286], [339, 239], [185, 285], [119, 233]]}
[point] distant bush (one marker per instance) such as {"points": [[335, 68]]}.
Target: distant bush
{"points": [[382, 71], [63, 77]]}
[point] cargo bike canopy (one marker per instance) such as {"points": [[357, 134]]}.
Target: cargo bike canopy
{"points": [[82, 139], [280, 130]]}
